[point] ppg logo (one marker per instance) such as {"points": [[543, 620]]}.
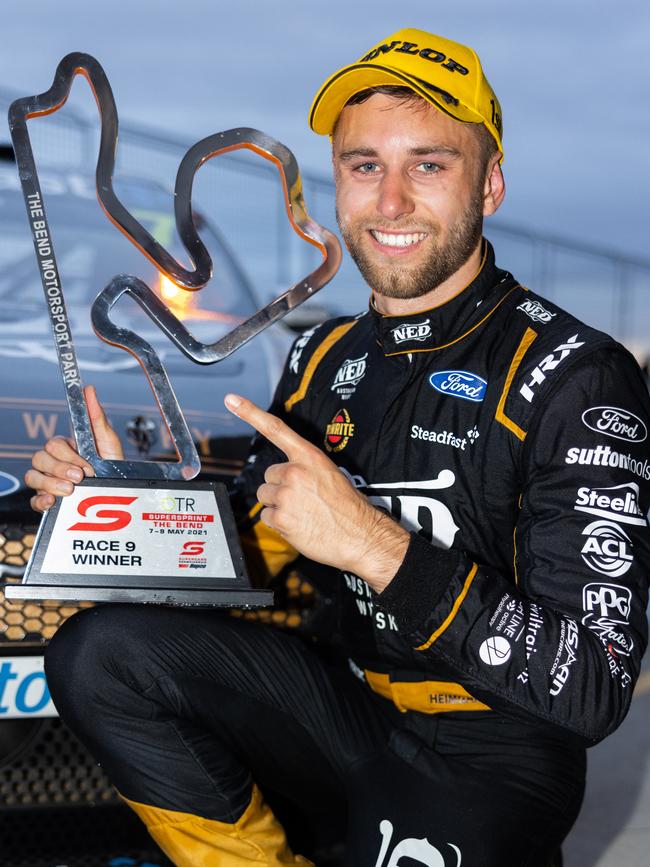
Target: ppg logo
{"points": [[610, 601]]}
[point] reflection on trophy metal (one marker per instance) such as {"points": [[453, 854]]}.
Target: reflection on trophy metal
{"points": [[162, 538]]}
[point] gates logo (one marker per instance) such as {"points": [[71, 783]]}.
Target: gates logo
{"points": [[115, 519], [608, 549], [339, 431], [609, 601], [615, 422], [459, 383], [618, 503]]}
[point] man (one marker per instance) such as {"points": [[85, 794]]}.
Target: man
{"points": [[470, 462]]}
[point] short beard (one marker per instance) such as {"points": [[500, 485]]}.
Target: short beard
{"points": [[395, 281]]}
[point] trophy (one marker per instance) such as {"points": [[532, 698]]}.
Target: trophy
{"points": [[142, 531]]}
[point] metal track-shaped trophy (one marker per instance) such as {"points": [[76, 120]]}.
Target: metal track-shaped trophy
{"points": [[114, 510]]}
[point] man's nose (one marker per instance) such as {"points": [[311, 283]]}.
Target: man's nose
{"points": [[395, 199]]}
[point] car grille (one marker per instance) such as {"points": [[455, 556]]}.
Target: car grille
{"points": [[29, 624]]}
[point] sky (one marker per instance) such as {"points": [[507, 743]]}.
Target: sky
{"points": [[572, 77]]}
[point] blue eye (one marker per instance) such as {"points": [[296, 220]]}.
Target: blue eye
{"points": [[429, 168], [366, 168]]}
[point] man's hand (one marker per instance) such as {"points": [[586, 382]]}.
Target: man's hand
{"points": [[58, 466], [309, 501]]}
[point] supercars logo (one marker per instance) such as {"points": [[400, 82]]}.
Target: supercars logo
{"points": [[113, 519], [339, 431]]}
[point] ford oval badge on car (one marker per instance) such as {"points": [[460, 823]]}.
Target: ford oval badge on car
{"points": [[459, 383], [8, 484]]}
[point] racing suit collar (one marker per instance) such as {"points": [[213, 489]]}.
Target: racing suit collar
{"points": [[432, 329]]}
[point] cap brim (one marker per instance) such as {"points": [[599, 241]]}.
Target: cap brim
{"points": [[338, 89]]}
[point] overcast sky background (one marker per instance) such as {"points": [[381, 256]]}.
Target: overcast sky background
{"points": [[572, 77]]}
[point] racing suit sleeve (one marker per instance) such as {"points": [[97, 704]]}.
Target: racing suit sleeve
{"points": [[266, 552], [562, 641]]}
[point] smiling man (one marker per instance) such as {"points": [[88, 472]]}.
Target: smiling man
{"points": [[437, 454]]}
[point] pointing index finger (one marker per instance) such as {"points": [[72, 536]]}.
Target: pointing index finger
{"points": [[270, 426]]}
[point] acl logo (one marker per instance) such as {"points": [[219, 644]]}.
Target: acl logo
{"points": [[607, 600], [117, 519], [411, 850], [608, 549]]}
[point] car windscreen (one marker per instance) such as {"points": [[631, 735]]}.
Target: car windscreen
{"points": [[90, 251]]}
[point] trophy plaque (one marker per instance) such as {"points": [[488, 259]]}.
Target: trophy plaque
{"points": [[143, 531]]}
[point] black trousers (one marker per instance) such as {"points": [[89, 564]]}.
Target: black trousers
{"points": [[184, 709]]}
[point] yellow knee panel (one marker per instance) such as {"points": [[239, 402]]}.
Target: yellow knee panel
{"points": [[191, 841]]}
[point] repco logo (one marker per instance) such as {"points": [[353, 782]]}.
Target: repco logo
{"points": [[114, 519]]}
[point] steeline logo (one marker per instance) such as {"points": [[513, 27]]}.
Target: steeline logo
{"points": [[536, 311], [615, 422], [349, 375], [619, 503], [411, 331], [459, 383], [608, 549]]}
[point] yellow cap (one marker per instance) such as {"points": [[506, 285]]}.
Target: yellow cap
{"points": [[444, 72]]}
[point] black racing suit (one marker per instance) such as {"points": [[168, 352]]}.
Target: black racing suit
{"points": [[511, 440]]}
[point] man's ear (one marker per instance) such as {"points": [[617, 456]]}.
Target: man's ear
{"points": [[494, 188]]}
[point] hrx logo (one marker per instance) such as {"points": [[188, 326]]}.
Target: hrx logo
{"points": [[114, 519]]}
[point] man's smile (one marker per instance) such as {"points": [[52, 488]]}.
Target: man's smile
{"points": [[396, 242]]}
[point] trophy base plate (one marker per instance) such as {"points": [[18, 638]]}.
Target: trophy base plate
{"points": [[214, 598]]}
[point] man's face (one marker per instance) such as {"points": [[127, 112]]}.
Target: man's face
{"points": [[409, 193]]}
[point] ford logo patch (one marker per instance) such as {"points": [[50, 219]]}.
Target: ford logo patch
{"points": [[459, 383], [8, 484]]}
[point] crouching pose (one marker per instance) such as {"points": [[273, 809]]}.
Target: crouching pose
{"points": [[468, 464]]}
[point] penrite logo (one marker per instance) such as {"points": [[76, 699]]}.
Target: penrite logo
{"points": [[459, 383], [536, 311], [617, 503], [339, 431], [115, 519], [412, 331], [615, 422], [349, 375], [547, 365], [608, 549]]}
